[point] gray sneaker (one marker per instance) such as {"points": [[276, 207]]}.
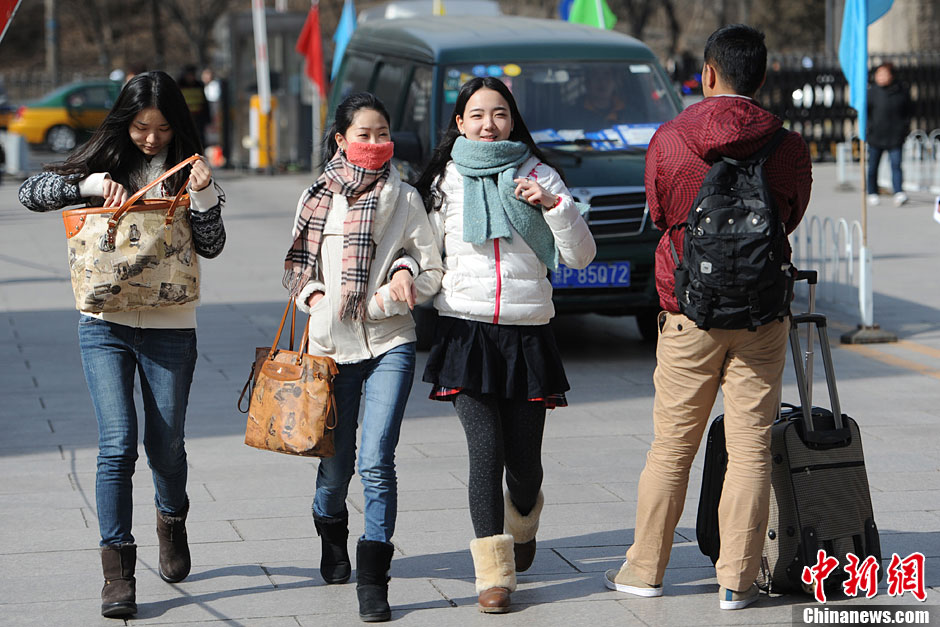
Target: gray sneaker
{"points": [[731, 600], [624, 580]]}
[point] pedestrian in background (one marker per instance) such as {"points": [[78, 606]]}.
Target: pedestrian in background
{"points": [[889, 122], [693, 362], [195, 94], [363, 256], [503, 217], [148, 131]]}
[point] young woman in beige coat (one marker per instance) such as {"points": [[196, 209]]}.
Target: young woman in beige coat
{"points": [[363, 256]]}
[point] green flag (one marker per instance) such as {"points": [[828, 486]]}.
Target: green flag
{"points": [[586, 12]]}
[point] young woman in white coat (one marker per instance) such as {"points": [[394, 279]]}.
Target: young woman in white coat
{"points": [[503, 218], [363, 256]]}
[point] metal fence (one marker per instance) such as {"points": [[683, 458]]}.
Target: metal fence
{"points": [[812, 95]]}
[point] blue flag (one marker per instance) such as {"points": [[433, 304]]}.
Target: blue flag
{"points": [[344, 32], [853, 52]]}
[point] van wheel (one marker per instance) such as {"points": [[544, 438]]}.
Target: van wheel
{"points": [[648, 324], [425, 326], [61, 138]]}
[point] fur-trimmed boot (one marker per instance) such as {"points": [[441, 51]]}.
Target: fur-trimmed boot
{"points": [[334, 556], [175, 562], [523, 530], [119, 594], [373, 561], [495, 569]]}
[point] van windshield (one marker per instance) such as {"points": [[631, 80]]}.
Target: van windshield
{"points": [[578, 105]]}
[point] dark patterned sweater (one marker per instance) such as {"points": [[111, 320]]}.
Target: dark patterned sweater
{"points": [[48, 191]]}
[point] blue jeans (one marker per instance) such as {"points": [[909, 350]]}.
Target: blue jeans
{"points": [[165, 360], [387, 381], [894, 154]]}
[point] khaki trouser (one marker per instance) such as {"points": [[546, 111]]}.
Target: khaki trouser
{"points": [[691, 364]]}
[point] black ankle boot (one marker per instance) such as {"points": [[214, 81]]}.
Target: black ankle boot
{"points": [[373, 560], [119, 594], [334, 557]]}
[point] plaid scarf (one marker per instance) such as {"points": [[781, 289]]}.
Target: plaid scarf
{"points": [[339, 177]]}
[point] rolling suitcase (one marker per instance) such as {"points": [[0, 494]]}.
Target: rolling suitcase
{"points": [[819, 494]]}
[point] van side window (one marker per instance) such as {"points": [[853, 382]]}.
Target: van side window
{"points": [[388, 88], [356, 76], [417, 110]]}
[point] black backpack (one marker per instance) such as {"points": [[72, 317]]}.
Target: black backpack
{"points": [[734, 273]]}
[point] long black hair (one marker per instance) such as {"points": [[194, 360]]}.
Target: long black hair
{"points": [[441, 155], [343, 118], [111, 150]]}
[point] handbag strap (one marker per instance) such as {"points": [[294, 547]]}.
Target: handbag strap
{"points": [[304, 341], [117, 215]]}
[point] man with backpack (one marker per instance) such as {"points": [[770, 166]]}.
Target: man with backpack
{"points": [[726, 188]]}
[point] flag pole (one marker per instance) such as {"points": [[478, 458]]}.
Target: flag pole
{"points": [[853, 56], [315, 130]]}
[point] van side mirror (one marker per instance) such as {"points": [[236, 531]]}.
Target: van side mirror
{"points": [[408, 147]]}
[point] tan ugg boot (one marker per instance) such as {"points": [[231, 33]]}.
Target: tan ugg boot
{"points": [[494, 565], [523, 530]]}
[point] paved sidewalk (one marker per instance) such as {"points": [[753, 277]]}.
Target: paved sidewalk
{"points": [[255, 552]]}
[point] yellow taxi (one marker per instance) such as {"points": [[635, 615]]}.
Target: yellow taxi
{"points": [[66, 115]]}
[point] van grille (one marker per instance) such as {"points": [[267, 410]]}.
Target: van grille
{"points": [[617, 215]]}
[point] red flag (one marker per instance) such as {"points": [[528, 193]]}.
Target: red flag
{"points": [[310, 45], [7, 9]]}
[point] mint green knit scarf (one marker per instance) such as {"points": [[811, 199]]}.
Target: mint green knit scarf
{"points": [[490, 206]]}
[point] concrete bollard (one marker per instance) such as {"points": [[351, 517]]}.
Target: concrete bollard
{"points": [[17, 154], [843, 154]]}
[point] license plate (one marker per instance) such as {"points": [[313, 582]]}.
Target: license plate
{"points": [[598, 274]]}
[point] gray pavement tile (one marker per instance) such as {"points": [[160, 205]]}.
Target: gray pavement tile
{"points": [[247, 552], [245, 509], [289, 599], [910, 501], [277, 621], [906, 543], [904, 481], [283, 528], [43, 613], [912, 521], [42, 563], [29, 484], [41, 519]]}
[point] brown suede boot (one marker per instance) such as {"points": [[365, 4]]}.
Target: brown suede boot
{"points": [[119, 594], [175, 562], [495, 569]]}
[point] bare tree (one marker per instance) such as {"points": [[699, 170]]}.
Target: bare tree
{"points": [[197, 17], [94, 18]]}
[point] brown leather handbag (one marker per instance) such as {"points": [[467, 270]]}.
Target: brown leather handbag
{"points": [[136, 256], [291, 407]]}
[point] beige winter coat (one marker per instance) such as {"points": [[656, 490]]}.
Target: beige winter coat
{"points": [[401, 223]]}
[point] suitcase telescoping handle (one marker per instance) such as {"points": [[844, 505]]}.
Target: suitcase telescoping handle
{"points": [[811, 277], [818, 321]]}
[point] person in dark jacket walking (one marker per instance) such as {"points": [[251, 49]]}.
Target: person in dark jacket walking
{"points": [[692, 363], [889, 121]]}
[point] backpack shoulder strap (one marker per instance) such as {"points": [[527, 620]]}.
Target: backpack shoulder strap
{"points": [[761, 155]]}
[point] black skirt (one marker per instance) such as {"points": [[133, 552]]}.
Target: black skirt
{"points": [[508, 361]]}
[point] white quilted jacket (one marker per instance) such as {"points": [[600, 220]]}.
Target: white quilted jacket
{"points": [[503, 281]]}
